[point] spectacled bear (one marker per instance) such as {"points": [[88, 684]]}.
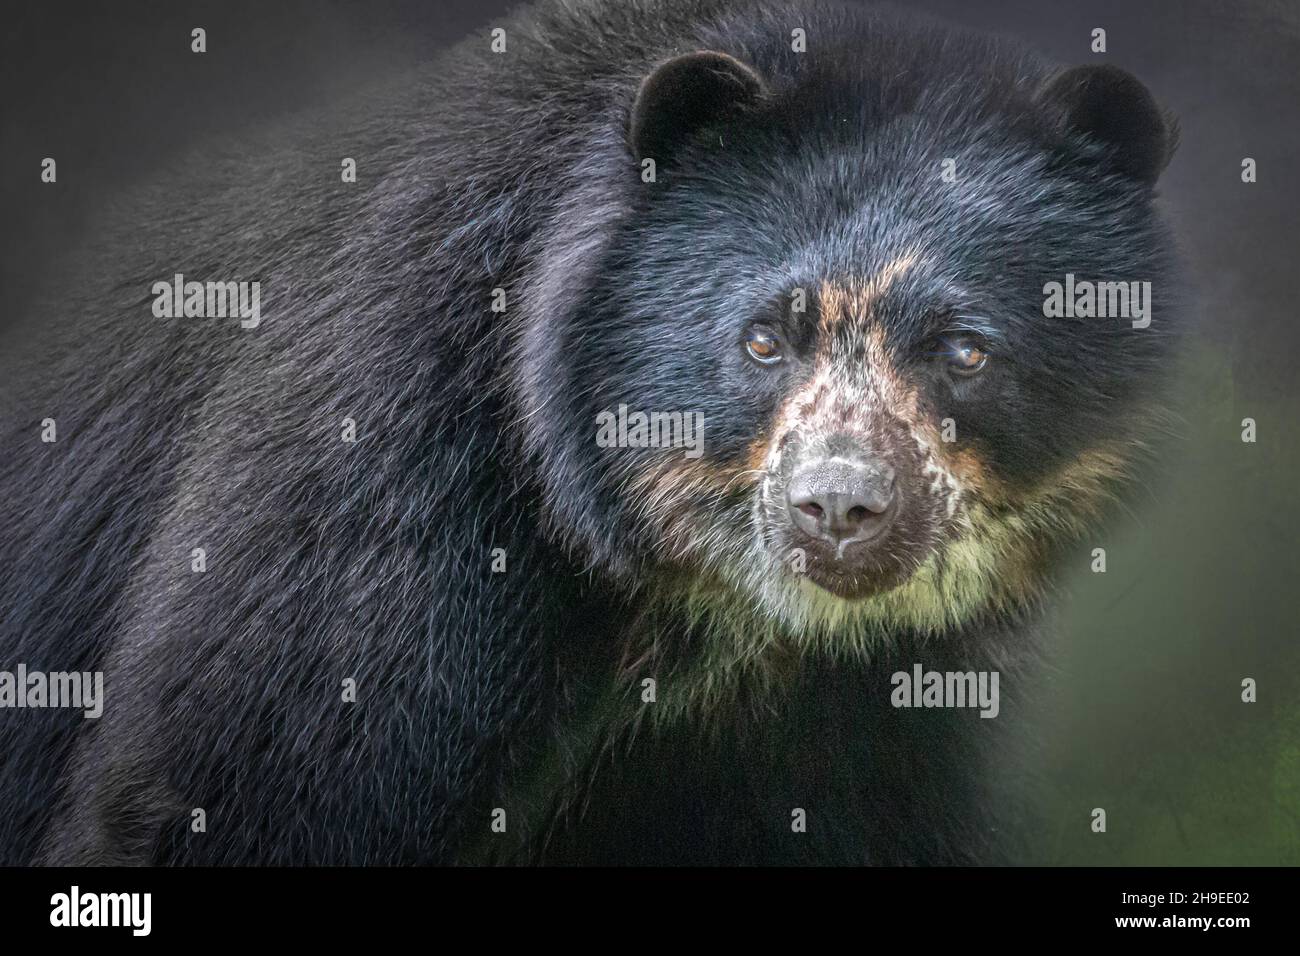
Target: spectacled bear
{"points": [[429, 566]]}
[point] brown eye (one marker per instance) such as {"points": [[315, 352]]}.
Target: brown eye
{"points": [[965, 356], [763, 347]]}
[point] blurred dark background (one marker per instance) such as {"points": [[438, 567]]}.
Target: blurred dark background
{"points": [[1145, 717]]}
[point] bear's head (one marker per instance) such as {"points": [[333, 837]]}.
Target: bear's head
{"points": [[815, 364]]}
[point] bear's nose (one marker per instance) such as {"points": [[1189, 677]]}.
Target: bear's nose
{"points": [[838, 501]]}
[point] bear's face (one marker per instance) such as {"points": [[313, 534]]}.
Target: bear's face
{"points": [[824, 375]]}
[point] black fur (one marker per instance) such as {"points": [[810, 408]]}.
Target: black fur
{"points": [[371, 560]]}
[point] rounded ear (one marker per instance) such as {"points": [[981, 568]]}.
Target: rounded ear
{"points": [[685, 95], [1112, 107]]}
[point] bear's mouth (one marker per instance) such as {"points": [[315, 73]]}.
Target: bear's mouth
{"points": [[857, 585], [856, 569]]}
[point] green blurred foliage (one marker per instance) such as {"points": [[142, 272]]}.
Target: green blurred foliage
{"points": [[1145, 717]]}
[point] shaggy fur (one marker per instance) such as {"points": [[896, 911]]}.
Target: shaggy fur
{"points": [[372, 561]]}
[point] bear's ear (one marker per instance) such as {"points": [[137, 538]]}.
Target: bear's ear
{"points": [[685, 95], [1112, 107]]}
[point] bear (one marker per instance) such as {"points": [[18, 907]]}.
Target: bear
{"points": [[608, 467]]}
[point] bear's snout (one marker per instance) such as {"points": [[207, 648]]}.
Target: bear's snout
{"points": [[841, 503]]}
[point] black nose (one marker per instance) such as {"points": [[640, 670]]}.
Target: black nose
{"points": [[839, 501]]}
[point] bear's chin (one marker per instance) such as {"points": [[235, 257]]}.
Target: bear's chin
{"points": [[851, 586], [854, 588]]}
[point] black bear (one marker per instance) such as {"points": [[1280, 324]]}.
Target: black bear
{"points": [[606, 473]]}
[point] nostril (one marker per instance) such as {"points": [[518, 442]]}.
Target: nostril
{"points": [[840, 500]]}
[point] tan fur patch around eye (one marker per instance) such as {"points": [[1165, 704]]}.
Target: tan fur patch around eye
{"points": [[855, 384], [851, 343], [855, 301], [892, 389]]}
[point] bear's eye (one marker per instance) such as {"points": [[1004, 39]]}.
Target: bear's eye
{"points": [[763, 347], [965, 355]]}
